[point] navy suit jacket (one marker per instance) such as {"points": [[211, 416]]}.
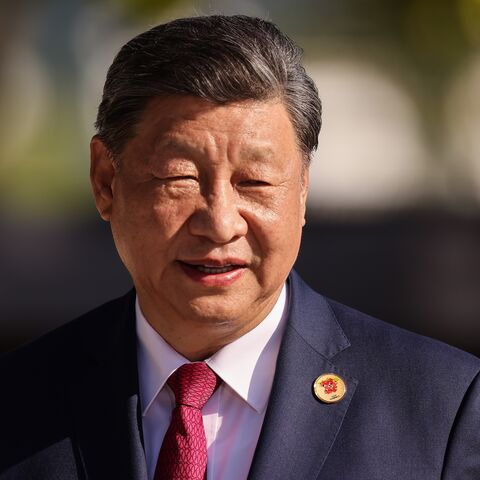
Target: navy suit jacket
{"points": [[69, 403]]}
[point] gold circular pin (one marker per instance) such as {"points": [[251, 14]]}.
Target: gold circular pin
{"points": [[329, 388]]}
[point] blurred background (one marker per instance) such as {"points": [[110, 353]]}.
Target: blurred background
{"points": [[394, 214]]}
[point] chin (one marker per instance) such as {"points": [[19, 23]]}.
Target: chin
{"points": [[208, 309]]}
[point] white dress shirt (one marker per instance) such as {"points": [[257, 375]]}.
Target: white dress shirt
{"points": [[234, 414]]}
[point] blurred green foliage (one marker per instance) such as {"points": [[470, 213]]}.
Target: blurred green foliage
{"points": [[142, 10], [469, 11], [426, 39]]}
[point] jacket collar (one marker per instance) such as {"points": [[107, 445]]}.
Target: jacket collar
{"points": [[298, 430], [312, 318], [104, 395]]}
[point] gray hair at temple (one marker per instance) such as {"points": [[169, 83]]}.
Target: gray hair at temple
{"points": [[218, 58]]}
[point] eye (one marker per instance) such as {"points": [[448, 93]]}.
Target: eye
{"points": [[177, 178], [181, 177], [253, 183]]}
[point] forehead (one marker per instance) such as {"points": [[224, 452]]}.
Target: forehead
{"points": [[188, 122]]}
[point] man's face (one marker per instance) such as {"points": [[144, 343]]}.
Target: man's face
{"points": [[206, 205]]}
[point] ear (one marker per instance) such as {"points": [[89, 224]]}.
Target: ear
{"points": [[304, 191], [102, 174]]}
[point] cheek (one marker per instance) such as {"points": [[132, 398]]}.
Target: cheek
{"points": [[169, 216], [144, 228], [149, 212], [277, 228]]}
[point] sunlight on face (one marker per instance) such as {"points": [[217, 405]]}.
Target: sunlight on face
{"points": [[208, 203]]}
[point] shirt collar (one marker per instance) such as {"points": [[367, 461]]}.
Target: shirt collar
{"points": [[246, 365]]}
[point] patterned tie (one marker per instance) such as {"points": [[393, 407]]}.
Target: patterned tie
{"points": [[183, 455]]}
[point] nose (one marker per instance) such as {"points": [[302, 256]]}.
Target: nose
{"points": [[219, 218]]}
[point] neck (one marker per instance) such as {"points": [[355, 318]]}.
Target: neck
{"points": [[198, 338]]}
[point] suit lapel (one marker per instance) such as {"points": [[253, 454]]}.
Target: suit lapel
{"points": [[104, 398], [299, 431]]}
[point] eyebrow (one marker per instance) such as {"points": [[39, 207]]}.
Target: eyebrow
{"points": [[258, 153], [170, 143]]}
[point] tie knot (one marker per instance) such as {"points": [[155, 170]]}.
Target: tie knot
{"points": [[193, 384]]}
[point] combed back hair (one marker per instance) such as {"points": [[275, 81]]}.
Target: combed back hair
{"points": [[218, 58]]}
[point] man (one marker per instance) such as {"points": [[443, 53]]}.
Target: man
{"points": [[222, 363]]}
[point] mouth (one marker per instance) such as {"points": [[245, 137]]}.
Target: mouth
{"points": [[212, 269], [213, 272]]}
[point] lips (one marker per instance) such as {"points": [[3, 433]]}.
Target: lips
{"points": [[213, 273], [214, 264], [214, 270]]}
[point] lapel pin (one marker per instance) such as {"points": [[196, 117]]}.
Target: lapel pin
{"points": [[329, 388]]}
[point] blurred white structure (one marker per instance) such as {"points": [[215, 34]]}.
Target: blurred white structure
{"points": [[371, 154]]}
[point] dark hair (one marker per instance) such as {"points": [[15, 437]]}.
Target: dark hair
{"points": [[218, 58]]}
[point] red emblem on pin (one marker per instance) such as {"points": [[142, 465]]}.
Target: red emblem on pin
{"points": [[330, 385], [329, 388]]}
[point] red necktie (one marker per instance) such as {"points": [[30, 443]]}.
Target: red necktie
{"points": [[183, 455]]}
